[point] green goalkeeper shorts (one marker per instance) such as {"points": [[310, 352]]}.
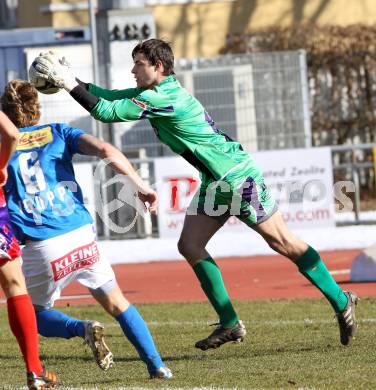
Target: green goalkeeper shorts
{"points": [[242, 194]]}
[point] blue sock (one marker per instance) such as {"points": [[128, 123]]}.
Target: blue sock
{"points": [[138, 334], [53, 323]]}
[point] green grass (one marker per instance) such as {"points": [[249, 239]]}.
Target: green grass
{"points": [[290, 345]]}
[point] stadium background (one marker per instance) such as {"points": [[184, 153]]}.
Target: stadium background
{"points": [[338, 38]]}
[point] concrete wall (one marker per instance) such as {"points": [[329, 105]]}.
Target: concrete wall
{"points": [[200, 29], [29, 15]]}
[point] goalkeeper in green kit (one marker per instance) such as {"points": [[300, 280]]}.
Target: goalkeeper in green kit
{"points": [[232, 184]]}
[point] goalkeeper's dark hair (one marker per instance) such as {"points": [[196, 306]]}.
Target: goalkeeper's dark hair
{"points": [[154, 50], [20, 102]]}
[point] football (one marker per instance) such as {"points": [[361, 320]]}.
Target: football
{"points": [[40, 84]]}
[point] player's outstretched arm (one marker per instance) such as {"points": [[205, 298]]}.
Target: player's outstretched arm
{"points": [[50, 67], [9, 138], [92, 146]]}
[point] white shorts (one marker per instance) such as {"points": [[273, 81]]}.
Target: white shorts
{"points": [[50, 265]]}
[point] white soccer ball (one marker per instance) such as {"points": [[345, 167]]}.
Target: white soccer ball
{"points": [[40, 84]]}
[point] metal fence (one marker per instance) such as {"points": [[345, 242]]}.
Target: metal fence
{"points": [[356, 164], [259, 99]]}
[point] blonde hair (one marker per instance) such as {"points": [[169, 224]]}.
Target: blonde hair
{"points": [[20, 102]]}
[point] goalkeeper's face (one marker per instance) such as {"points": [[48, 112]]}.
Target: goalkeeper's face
{"points": [[146, 74]]}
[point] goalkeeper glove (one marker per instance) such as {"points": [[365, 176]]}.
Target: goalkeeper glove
{"points": [[49, 67]]}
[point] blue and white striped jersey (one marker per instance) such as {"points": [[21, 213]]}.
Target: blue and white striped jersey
{"points": [[43, 196]]}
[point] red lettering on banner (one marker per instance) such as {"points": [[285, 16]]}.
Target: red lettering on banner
{"points": [[177, 194], [82, 257], [175, 224]]}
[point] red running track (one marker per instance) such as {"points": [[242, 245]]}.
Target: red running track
{"points": [[246, 278]]}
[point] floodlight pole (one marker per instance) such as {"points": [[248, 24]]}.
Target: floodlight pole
{"points": [[97, 126], [94, 56], [94, 45]]}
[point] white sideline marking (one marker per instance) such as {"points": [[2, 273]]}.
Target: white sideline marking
{"points": [[340, 272], [78, 296], [63, 297], [129, 388], [306, 321], [85, 296], [148, 388]]}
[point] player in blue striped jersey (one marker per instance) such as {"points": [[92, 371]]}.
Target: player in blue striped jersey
{"points": [[47, 210]]}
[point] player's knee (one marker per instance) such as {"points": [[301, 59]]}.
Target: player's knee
{"points": [[187, 249], [191, 250], [183, 246], [286, 246], [281, 246], [111, 298], [39, 308], [13, 286], [116, 305], [41, 315], [105, 289]]}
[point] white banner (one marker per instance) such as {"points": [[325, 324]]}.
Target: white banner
{"points": [[84, 176], [301, 180]]}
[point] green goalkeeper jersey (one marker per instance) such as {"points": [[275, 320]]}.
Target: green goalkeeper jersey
{"points": [[179, 121]]}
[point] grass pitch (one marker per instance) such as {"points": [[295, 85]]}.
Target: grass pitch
{"points": [[290, 345]]}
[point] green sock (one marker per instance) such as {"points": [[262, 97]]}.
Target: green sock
{"points": [[211, 281], [313, 268]]}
